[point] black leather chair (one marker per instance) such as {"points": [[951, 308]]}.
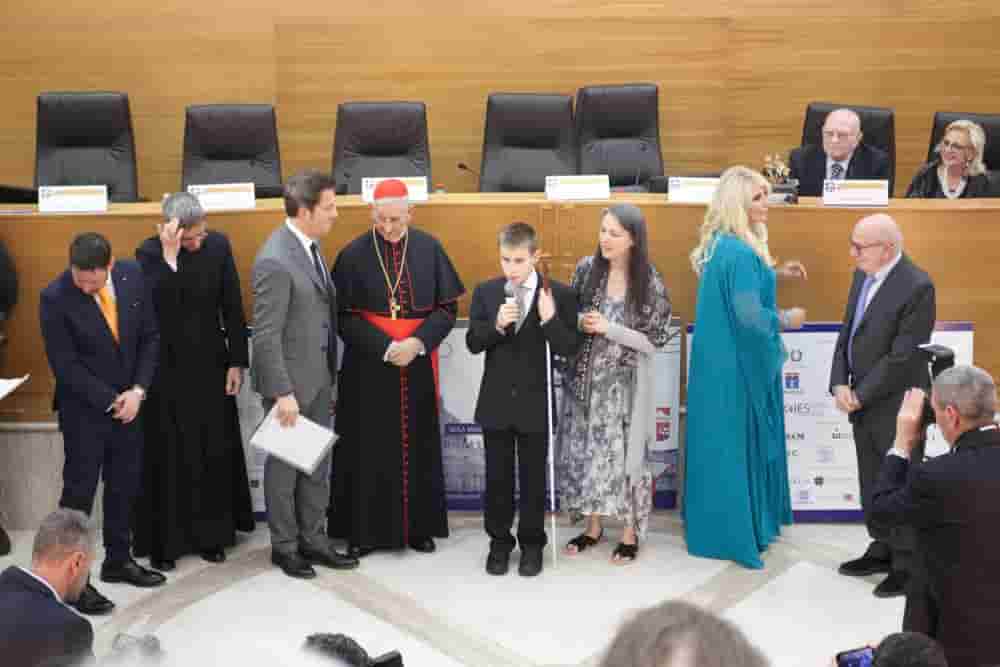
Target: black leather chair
{"points": [[618, 133], [232, 143], [990, 124], [878, 125], [380, 139], [527, 137], [86, 139]]}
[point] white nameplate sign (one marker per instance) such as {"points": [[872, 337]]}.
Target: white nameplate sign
{"points": [[416, 186], [575, 188], [691, 189], [225, 196], [73, 198], [855, 193]]}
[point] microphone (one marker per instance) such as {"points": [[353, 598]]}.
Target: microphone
{"points": [[511, 298], [465, 167]]}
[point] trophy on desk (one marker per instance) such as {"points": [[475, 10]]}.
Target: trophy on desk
{"points": [[784, 190]]}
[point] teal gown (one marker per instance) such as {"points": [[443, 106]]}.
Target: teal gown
{"points": [[736, 494]]}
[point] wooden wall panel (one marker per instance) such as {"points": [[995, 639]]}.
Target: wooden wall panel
{"points": [[735, 76]]}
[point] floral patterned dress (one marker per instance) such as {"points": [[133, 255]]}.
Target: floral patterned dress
{"points": [[593, 439]]}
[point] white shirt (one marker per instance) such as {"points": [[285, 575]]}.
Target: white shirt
{"points": [[37, 578], [111, 290], [879, 278], [529, 286], [843, 163], [306, 242]]}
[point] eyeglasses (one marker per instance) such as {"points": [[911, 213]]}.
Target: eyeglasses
{"points": [[861, 247], [839, 136], [948, 145]]}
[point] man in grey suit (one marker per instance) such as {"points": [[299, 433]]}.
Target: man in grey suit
{"points": [[294, 365]]}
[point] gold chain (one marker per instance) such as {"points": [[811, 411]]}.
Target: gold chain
{"points": [[385, 273]]}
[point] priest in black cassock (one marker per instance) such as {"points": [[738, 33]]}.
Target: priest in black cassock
{"points": [[195, 494], [398, 297]]}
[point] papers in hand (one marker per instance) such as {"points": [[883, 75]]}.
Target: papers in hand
{"points": [[303, 445], [7, 386]]}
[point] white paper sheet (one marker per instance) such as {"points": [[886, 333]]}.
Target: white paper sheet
{"points": [[7, 386]]}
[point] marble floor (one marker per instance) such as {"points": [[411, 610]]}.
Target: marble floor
{"points": [[443, 610]]}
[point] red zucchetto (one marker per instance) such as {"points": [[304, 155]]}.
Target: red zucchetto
{"points": [[391, 188]]}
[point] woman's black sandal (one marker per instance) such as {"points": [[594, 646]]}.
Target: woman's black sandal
{"points": [[625, 553], [583, 541]]}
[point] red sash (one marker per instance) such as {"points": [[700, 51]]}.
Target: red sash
{"points": [[401, 329]]}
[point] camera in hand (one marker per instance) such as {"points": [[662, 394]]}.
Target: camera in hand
{"points": [[939, 358]]}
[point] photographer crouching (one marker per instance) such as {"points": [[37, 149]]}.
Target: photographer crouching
{"points": [[953, 503]]}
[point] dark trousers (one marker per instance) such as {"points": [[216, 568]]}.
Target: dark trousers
{"points": [[530, 450], [872, 441], [97, 445]]}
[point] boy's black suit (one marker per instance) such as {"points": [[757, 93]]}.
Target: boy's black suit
{"points": [[512, 405]]}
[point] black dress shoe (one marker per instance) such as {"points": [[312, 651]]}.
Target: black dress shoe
{"points": [[424, 545], [131, 572], [214, 555], [358, 552], [892, 586], [329, 558], [92, 603], [864, 566], [531, 561], [293, 565], [498, 561], [163, 565]]}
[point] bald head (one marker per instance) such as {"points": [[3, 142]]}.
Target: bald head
{"points": [[841, 133], [875, 242]]}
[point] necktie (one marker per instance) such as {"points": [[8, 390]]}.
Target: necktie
{"points": [[318, 264], [522, 298], [836, 171], [107, 306], [859, 314]]}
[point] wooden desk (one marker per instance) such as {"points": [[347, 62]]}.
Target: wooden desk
{"points": [[958, 243]]}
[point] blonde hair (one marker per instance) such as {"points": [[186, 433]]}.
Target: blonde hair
{"points": [[978, 138], [727, 214]]}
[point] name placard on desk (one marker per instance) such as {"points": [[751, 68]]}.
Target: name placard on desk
{"points": [[416, 187], [855, 193], [577, 188], [73, 199], [225, 196], [691, 189]]}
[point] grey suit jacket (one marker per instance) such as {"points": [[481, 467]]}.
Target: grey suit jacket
{"points": [[294, 322]]}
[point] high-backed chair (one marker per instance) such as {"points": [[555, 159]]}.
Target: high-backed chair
{"points": [[527, 137], [86, 139], [618, 133], [380, 139], [878, 127], [232, 143], [990, 124]]}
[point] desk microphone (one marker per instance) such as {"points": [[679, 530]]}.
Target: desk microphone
{"points": [[465, 167]]}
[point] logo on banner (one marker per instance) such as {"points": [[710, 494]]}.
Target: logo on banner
{"points": [[792, 383], [819, 481], [841, 435], [795, 355]]}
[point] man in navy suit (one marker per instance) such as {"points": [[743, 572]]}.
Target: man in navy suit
{"points": [[953, 502], [890, 312], [512, 318], [841, 157], [36, 626], [102, 342]]}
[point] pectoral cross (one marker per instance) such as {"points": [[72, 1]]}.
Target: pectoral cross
{"points": [[394, 308]]}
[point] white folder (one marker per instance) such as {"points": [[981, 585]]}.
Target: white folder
{"points": [[303, 445]]}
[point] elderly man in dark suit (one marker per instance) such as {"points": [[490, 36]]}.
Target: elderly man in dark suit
{"points": [[293, 365], [953, 502], [841, 157], [102, 342], [890, 312], [36, 626]]}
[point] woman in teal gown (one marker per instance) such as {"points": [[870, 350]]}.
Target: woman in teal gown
{"points": [[736, 495]]}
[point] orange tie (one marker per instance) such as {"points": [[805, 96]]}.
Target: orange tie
{"points": [[107, 305]]}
